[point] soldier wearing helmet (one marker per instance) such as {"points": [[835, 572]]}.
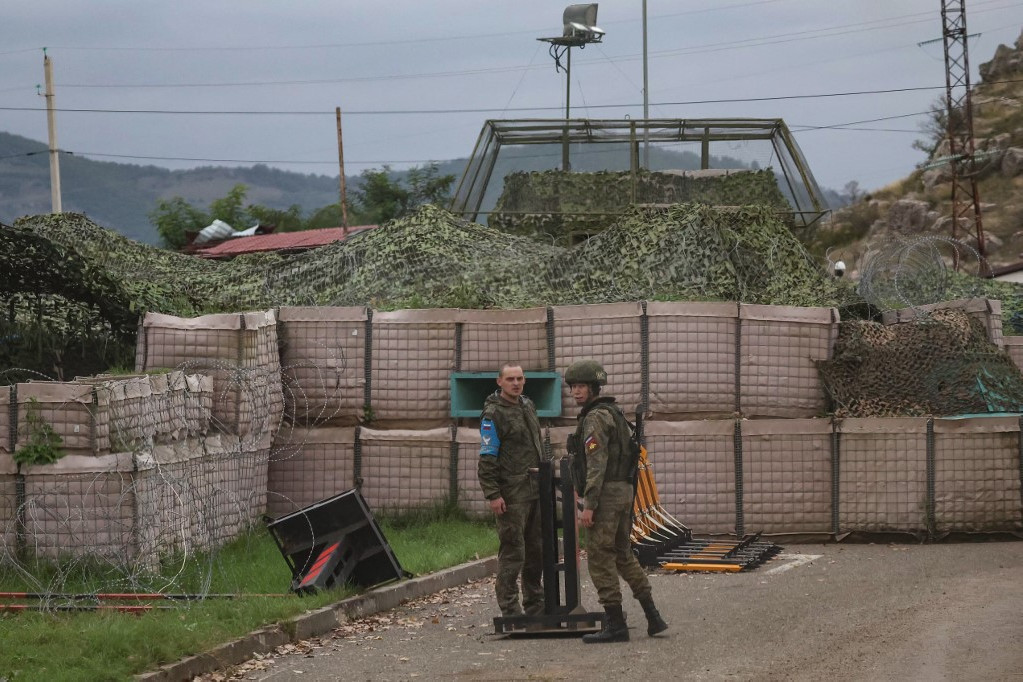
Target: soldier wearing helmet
{"points": [[602, 440]]}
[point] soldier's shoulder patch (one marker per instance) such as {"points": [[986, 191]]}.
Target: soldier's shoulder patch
{"points": [[490, 443], [591, 444]]}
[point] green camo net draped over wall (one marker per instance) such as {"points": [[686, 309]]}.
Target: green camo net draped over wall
{"points": [[430, 258], [942, 364], [561, 204]]}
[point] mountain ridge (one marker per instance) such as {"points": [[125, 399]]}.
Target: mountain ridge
{"points": [[120, 196]]}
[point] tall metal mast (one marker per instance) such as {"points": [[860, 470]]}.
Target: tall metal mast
{"points": [[966, 217]]}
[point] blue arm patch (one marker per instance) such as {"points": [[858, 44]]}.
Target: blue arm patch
{"points": [[490, 444]]}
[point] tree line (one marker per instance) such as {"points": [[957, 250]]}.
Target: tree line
{"points": [[381, 195]]}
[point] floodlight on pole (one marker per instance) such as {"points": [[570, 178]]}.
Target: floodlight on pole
{"points": [[579, 30]]}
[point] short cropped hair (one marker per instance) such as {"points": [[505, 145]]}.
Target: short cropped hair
{"points": [[507, 365]]}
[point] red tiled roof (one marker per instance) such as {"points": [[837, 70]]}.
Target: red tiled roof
{"points": [[284, 241]]}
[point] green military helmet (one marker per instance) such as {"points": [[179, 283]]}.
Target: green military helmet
{"points": [[585, 372]]}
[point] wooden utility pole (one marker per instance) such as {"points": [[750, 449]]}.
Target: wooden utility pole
{"points": [[341, 163], [51, 125]]}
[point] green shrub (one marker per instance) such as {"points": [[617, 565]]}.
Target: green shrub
{"points": [[44, 444]]}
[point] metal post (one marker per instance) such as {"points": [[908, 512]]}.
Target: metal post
{"points": [[566, 164], [705, 150], [51, 127], [568, 82], [646, 97]]}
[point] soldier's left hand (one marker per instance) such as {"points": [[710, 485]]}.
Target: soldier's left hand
{"points": [[586, 518]]}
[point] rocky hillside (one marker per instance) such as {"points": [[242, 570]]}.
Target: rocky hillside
{"points": [[920, 204]]}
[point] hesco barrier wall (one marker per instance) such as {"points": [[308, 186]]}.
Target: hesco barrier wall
{"points": [[733, 476], [323, 353], [1013, 345], [240, 351], [8, 504], [309, 465], [143, 472], [293, 406], [8, 433], [343, 366]]}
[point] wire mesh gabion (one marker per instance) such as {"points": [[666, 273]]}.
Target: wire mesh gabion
{"points": [[155, 490]]}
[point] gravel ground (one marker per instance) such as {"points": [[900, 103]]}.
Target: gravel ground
{"points": [[822, 611]]}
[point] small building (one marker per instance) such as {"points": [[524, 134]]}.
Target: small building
{"points": [[284, 242]]}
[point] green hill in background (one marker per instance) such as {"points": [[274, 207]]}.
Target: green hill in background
{"points": [[120, 196]]}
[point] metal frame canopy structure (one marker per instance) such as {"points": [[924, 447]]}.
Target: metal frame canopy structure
{"points": [[679, 147]]}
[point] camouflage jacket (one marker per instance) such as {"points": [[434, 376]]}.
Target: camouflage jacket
{"points": [[510, 443], [602, 435]]}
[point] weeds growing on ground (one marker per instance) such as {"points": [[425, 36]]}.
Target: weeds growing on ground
{"points": [[105, 645]]}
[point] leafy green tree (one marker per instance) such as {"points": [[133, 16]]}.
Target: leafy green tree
{"points": [[427, 187], [231, 208], [382, 198], [329, 216], [285, 220], [173, 218]]}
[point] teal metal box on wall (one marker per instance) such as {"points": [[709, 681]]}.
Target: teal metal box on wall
{"points": [[470, 389]]}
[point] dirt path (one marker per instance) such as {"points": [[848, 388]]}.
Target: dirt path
{"points": [[835, 612]]}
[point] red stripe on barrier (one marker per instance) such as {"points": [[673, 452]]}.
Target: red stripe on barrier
{"points": [[318, 566]]}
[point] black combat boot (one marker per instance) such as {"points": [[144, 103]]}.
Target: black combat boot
{"points": [[614, 630], [654, 622]]}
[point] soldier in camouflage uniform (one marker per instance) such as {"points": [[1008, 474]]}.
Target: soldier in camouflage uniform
{"points": [[510, 444], [602, 438]]}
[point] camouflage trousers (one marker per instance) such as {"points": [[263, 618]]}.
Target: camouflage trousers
{"points": [[610, 550], [520, 553]]}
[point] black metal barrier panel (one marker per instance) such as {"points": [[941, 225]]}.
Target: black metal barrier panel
{"points": [[333, 542], [563, 613]]}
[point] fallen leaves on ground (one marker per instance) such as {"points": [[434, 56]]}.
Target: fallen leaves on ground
{"points": [[438, 608]]}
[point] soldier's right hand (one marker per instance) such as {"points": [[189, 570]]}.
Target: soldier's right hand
{"points": [[497, 506]]}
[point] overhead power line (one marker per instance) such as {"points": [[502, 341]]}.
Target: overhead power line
{"points": [[795, 128], [809, 34], [375, 43], [482, 110], [257, 161]]}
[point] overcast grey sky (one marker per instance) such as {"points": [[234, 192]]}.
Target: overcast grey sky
{"points": [[309, 56]]}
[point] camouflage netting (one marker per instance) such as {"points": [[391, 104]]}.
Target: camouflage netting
{"points": [[560, 204], [942, 364], [430, 258]]}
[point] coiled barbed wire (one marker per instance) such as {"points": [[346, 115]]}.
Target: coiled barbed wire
{"points": [[910, 273], [186, 482]]}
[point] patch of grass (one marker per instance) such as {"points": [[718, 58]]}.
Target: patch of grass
{"points": [[438, 544], [103, 645]]}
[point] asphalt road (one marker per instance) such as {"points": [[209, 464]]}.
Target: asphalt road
{"points": [[814, 612]]}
